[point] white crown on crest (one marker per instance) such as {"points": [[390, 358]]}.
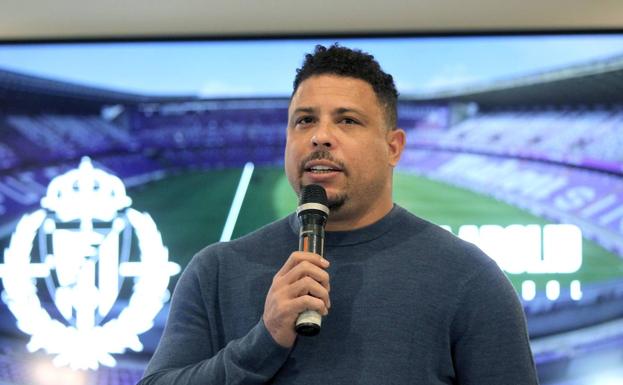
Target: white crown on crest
{"points": [[72, 194]]}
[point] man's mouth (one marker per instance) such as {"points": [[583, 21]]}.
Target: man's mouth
{"points": [[321, 164], [321, 169]]}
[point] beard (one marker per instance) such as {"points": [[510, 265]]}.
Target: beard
{"points": [[334, 203], [337, 202]]}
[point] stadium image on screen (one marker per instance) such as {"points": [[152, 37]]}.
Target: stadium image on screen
{"points": [[106, 191]]}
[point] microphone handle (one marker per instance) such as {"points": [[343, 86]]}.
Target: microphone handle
{"points": [[311, 239]]}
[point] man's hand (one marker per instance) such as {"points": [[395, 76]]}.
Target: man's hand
{"points": [[301, 284]]}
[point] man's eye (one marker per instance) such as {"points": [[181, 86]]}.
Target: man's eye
{"points": [[305, 120], [349, 121]]}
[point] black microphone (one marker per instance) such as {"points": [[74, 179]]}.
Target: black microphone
{"points": [[313, 211]]}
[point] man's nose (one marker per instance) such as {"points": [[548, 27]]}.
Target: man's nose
{"points": [[323, 136]]}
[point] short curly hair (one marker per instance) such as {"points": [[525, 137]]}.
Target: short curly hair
{"points": [[342, 61]]}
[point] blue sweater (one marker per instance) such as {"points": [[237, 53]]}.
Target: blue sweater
{"points": [[410, 304]]}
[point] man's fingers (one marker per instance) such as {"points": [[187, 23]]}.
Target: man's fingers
{"points": [[306, 269], [299, 256], [301, 284], [307, 302], [309, 286]]}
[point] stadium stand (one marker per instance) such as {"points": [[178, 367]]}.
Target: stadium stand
{"points": [[584, 138], [231, 126], [8, 159], [66, 137]]}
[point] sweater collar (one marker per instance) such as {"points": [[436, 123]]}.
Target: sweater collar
{"points": [[353, 237]]}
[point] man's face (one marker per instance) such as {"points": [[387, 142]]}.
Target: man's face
{"points": [[338, 138]]}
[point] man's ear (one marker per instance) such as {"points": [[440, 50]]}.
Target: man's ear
{"points": [[396, 140]]}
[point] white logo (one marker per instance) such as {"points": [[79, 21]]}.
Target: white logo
{"points": [[84, 242], [520, 249]]}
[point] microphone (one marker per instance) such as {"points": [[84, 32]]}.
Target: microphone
{"points": [[312, 212]]}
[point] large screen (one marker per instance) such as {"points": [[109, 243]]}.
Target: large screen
{"points": [[120, 160]]}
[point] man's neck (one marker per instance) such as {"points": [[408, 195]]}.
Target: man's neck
{"points": [[347, 223]]}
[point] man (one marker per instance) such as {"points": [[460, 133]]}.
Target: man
{"points": [[404, 302]]}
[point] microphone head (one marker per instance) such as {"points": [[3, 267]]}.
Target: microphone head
{"points": [[313, 199], [314, 193]]}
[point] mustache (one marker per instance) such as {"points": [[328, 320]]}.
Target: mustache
{"points": [[318, 155]]}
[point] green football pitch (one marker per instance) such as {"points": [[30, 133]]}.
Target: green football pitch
{"points": [[191, 208]]}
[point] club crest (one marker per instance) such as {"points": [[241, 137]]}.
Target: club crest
{"points": [[70, 262]]}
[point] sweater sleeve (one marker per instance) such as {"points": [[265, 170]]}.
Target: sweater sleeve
{"points": [[190, 351], [490, 344]]}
